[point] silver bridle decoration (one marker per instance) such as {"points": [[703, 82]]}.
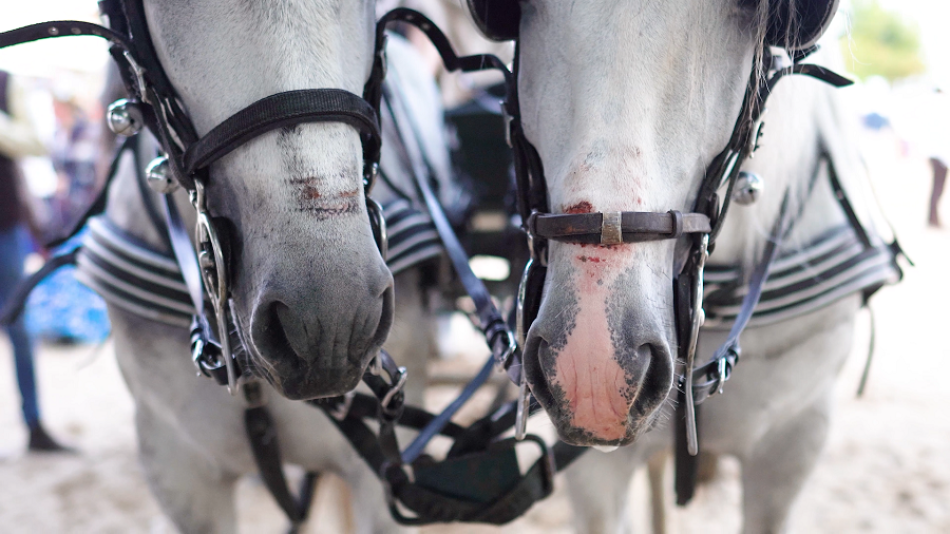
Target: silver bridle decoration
{"points": [[214, 273], [124, 117], [159, 178], [748, 188]]}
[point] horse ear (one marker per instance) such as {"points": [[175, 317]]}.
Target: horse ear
{"points": [[497, 19], [798, 24]]}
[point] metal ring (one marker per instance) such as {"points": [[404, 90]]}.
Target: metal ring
{"points": [[396, 388]]}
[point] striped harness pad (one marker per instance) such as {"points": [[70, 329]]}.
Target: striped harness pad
{"points": [[833, 266], [412, 236], [133, 276]]}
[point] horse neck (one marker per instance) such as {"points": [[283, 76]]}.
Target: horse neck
{"points": [[803, 122]]}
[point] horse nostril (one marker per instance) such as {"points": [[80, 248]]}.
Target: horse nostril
{"points": [[656, 379], [535, 357], [277, 330], [291, 328]]}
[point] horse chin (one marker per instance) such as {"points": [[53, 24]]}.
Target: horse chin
{"points": [[305, 382]]}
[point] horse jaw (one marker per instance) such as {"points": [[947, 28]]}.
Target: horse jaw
{"points": [[311, 292], [624, 122]]}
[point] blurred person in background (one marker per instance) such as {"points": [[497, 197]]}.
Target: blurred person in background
{"points": [[17, 140], [74, 154], [939, 153]]}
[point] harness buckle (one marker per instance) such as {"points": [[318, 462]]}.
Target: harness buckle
{"points": [[399, 383]]}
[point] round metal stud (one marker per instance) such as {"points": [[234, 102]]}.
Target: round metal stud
{"points": [[158, 176], [124, 117], [748, 188]]}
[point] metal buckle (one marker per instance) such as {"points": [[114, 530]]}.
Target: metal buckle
{"points": [[398, 385], [503, 360], [215, 277]]}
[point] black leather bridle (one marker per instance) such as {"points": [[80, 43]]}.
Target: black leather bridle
{"points": [[154, 101]]}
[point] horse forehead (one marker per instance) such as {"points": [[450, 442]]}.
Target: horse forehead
{"points": [[222, 55]]}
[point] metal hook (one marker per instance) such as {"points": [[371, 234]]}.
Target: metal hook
{"points": [[698, 317], [522, 409], [215, 276]]}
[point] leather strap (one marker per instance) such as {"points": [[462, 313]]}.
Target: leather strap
{"points": [[635, 226], [280, 111], [13, 308], [718, 369], [61, 28], [262, 434]]}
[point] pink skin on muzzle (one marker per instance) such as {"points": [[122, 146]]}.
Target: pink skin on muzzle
{"points": [[586, 369]]}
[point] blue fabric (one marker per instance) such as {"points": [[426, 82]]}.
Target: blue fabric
{"points": [[62, 309], [13, 246]]}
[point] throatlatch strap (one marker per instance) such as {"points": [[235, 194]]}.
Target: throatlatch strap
{"points": [[282, 110]]}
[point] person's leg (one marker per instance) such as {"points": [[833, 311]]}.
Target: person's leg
{"points": [[12, 252], [940, 179], [11, 272]]}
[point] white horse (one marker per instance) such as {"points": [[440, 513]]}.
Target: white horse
{"points": [[627, 104], [221, 56]]}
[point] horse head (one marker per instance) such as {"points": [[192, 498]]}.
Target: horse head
{"points": [[627, 104], [312, 296]]}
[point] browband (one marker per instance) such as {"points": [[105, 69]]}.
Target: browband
{"points": [[614, 228], [282, 110]]}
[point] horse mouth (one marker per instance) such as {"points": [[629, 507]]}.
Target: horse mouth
{"points": [[641, 416]]}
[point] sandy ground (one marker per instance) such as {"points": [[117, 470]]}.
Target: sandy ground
{"points": [[885, 468]]}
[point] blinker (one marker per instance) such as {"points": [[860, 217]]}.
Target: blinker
{"points": [[124, 117], [158, 176], [748, 188]]}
